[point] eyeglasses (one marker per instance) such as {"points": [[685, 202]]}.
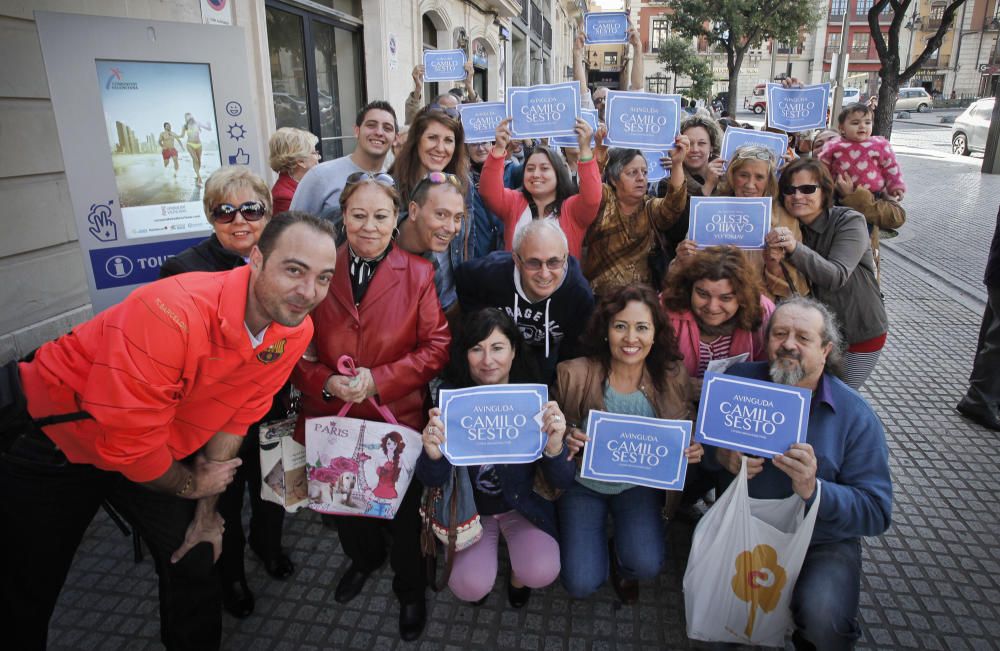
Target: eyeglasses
{"points": [[447, 110], [755, 154], [534, 264], [808, 188], [437, 178], [379, 177], [225, 213]]}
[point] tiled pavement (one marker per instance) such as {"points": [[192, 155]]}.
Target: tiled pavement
{"points": [[933, 581]]}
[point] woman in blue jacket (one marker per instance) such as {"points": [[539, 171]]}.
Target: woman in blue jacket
{"points": [[489, 351]]}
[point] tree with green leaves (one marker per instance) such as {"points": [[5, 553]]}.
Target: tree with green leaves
{"points": [[737, 26], [894, 72], [678, 58]]}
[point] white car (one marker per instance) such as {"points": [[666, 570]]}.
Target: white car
{"points": [[851, 96], [910, 99], [971, 127]]}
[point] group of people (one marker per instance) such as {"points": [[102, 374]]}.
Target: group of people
{"points": [[170, 140], [430, 261]]}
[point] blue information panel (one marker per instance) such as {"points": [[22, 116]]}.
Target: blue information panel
{"points": [[642, 120], [736, 221], [734, 138], [543, 111], [605, 27], [129, 265], [480, 120], [636, 450], [444, 65], [590, 115], [655, 169], [797, 109], [493, 424], [752, 416]]}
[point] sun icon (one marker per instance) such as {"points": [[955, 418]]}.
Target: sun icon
{"points": [[237, 132]]}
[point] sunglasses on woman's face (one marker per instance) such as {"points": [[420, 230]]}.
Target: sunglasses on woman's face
{"points": [[252, 211], [380, 177], [800, 189]]}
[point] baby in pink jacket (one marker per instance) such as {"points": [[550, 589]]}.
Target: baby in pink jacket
{"points": [[868, 160]]}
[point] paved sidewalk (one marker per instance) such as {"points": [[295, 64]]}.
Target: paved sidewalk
{"points": [[932, 582]]}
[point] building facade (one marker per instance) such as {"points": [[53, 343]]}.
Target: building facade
{"points": [[312, 64]]}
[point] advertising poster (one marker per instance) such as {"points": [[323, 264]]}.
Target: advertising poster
{"points": [[444, 65], [654, 168], [751, 416], [732, 221], [590, 115], [636, 450], [734, 138], [164, 142], [642, 120], [480, 120], [493, 424]]}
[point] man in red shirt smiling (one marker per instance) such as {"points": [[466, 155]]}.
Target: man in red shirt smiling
{"points": [[161, 388]]}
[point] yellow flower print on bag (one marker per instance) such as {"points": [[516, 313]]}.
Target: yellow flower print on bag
{"points": [[759, 581]]}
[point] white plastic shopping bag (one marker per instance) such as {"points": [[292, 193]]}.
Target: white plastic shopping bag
{"points": [[746, 555], [359, 467]]}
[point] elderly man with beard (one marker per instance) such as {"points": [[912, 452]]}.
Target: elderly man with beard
{"points": [[845, 451]]}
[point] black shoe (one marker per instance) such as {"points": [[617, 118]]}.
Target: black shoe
{"points": [[350, 585], [278, 566], [979, 415], [412, 618], [237, 598], [517, 597], [626, 589]]}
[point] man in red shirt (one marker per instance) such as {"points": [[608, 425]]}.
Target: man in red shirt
{"points": [[158, 392]]}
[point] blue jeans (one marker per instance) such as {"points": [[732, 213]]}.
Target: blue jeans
{"points": [[640, 542], [825, 600]]}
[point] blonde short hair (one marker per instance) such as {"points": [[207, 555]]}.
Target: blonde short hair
{"points": [[288, 146], [226, 180]]}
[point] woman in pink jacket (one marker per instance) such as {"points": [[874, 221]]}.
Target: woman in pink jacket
{"points": [[717, 309], [548, 191]]}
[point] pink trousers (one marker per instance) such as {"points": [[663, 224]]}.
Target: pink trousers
{"points": [[534, 557]]}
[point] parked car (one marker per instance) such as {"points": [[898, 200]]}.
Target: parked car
{"points": [[851, 96], [757, 102], [971, 127], [913, 99]]}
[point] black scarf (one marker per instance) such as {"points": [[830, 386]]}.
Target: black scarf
{"points": [[362, 270]]}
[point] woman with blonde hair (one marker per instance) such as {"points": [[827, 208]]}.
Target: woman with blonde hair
{"points": [[292, 153]]}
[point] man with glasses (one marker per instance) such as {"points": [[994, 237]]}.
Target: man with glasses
{"points": [[434, 218], [318, 193], [145, 406], [539, 285]]}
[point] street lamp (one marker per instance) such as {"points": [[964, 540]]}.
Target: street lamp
{"points": [[914, 25]]}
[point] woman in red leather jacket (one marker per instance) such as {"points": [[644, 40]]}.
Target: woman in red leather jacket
{"points": [[382, 311]]}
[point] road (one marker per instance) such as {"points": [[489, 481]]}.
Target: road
{"points": [[931, 582]]}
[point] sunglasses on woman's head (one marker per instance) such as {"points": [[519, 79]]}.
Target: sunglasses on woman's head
{"points": [[755, 155], [380, 177], [251, 210], [437, 178], [808, 188], [447, 110]]}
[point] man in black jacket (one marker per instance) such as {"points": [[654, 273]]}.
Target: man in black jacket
{"points": [[982, 401], [539, 285]]}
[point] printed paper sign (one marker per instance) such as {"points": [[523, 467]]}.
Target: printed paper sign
{"points": [[797, 109], [590, 115], [734, 138], [605, 27], [736, 221], [642, 120], [752, 416], [656, 170], [444, 65], [636, 450], [543, 111], [493, 424], [480, 120]]}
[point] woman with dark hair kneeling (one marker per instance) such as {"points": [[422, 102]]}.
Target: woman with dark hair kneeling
{"points": [[634, 369], [490, 350]]}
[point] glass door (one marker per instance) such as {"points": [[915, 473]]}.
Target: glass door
{"points": [[317, 70]]}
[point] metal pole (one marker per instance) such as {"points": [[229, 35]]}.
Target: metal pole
{"points": [[774, 58], [991, 159], [838, 93]]}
